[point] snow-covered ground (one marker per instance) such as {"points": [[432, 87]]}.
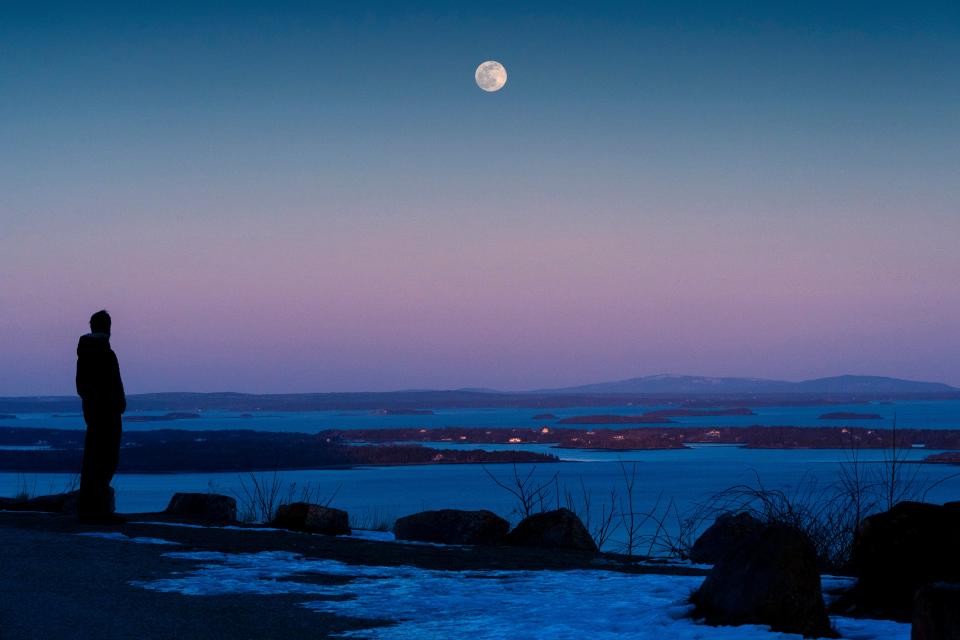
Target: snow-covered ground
{"points": [[486, 605], [126, 538]]}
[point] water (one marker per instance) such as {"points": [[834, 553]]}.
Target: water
{"points": [[916, 414], [381, 494]]}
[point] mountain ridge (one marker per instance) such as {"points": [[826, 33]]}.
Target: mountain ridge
{"points": [[683, 384]]}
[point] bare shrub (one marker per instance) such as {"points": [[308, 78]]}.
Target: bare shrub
{"points": [[581, 503], [26, 489], [261, 494], [373, 519], [631, 520], [675, 540], [821, 512], [531, 496]]}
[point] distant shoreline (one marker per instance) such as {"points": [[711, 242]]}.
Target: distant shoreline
{"points": [[186, 451], [404, 402]]}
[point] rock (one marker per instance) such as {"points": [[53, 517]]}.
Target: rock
{"points": [[211, 507], [559, 529], [936, 612], [55, 503], [769, 578], [453, 526], [726, 532], [898, 551], [312, 518]]}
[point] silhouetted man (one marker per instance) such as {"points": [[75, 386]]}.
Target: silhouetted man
{"points": [[101, 389]]}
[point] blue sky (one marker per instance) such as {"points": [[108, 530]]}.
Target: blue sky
{"points": [[744, 188]]}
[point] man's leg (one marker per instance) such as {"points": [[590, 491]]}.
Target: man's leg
{"points": [[87, 503], [111, 456], [100, 455]]}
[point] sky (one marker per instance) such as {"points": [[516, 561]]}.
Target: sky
{"points": [[286, 197]]}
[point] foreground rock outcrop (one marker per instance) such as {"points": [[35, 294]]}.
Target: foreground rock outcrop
{"points": [[453, 526], [312, 518], [723, 536], [899, 551], [559, 529], [54, 503], [769, 578], [209, 507], [936, 612]]}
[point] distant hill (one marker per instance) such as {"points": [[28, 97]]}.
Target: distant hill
{"points": [[664, 389], [700, 385]]}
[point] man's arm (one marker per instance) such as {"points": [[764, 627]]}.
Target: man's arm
{"points": [[83, 377], [119, 393]]}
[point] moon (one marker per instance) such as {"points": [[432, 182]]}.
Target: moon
{"points": [[491, 76]]}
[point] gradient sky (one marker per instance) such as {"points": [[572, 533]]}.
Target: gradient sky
{"points": [[312, 197]]}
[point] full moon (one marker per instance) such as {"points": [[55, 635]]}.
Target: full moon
{"points": [[491, 76]]}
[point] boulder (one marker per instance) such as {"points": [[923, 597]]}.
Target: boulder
{"points": [[559, 529], [936, 612], [453, 526], [769, 578], [897, 552], [312, 518], [209, 507], [726, 532], [54, 503]]}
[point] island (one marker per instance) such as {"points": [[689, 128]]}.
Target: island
{"points": [[754, 437], [401, 412], [947, 457], [183, 451]]}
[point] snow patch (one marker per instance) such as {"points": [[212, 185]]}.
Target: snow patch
{"points": [[487, 605], [231, 527], [378, 536], [119, 536]]}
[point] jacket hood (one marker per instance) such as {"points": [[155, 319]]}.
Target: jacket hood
{"points": [[93, 343]]}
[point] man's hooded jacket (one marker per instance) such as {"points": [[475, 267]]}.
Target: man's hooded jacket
{"points": [[98, 375]]}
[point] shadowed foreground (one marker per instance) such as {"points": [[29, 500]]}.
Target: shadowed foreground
{"points": [[56, 584]]}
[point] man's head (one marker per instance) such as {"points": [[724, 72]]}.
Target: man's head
{"points": [[100, 322]]}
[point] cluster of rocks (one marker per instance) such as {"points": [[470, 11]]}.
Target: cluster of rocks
{"points": [[558, 529], [767, 574], [297, 516], [312, 518], [906, 560], [204, 507]]}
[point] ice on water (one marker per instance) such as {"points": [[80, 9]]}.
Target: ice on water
{"points": [[490, 605]]}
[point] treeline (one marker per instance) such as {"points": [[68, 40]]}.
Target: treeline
{"points": [[759, 437], [173, 451]]}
